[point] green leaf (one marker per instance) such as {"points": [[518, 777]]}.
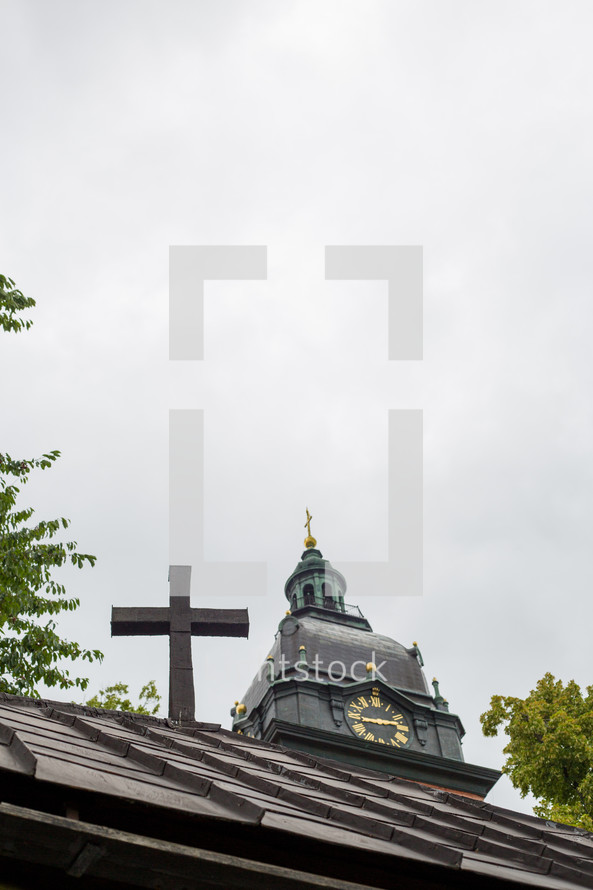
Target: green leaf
{"points": [[114, 698]]}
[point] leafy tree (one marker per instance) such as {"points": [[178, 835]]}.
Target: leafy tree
{"points": [[31, 652], [112, 698], [13, 301], [550, 752]]}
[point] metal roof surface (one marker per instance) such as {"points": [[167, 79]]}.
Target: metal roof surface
{"points": [[329, 642], [214, 773]]}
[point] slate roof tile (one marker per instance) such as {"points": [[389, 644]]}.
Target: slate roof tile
{"points": [[493, 868]]}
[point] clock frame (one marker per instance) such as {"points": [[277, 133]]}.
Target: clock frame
{"points": [[372, 717]]}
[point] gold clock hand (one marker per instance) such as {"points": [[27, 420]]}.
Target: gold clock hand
{"points": [[381, 722]]}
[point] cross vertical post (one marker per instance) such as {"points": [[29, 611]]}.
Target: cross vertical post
{"points": [[182, 697]]}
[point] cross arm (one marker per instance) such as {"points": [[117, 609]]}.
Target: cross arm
{"points": [[220, 622], [131, 622]]}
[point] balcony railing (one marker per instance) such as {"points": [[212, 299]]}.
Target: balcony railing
{"points": [[327, 603]]}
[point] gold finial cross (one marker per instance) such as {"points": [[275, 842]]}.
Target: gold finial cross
{"points": [[308, 522]]}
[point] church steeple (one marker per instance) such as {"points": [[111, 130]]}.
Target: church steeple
{"points": [[330, 686]]}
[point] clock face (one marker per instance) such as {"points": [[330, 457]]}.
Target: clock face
{"points": [[373, 719]]}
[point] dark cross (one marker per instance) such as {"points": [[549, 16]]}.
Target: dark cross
{"points": [[180, 622]]}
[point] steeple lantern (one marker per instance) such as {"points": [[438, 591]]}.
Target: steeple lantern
{"points": [[315, 583]]}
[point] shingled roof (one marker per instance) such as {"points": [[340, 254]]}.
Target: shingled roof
{"points": [[117, 797]]}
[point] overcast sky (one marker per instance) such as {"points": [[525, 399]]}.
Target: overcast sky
{"points": [[463, 127]]}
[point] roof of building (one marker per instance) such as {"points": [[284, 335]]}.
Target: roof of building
{"points": [[266, 799]]}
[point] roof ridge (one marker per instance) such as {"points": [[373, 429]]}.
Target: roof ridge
{"points": [[68, 708]]}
